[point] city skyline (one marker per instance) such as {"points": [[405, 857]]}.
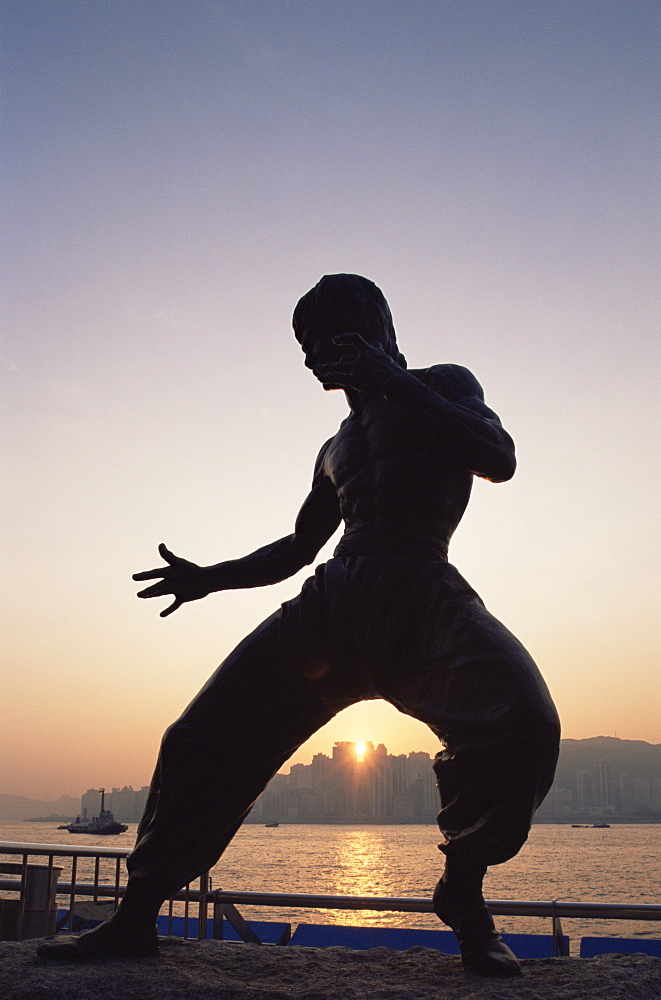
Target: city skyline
{"points": [[176, 177], [363, 782], [586, 770]]}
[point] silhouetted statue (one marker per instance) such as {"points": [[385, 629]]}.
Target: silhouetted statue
{"points": [[387, 617]]}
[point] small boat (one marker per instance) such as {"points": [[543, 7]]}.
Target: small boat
{"points": [[101, 825], [274, 823], [601, 826]]}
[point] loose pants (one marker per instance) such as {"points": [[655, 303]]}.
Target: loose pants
{"points": [[408, 630]]}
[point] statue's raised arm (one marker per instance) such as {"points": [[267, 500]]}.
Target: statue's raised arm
{"points": [[447, 399]]}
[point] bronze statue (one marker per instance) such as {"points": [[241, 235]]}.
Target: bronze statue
{"points": [[386, 617]]}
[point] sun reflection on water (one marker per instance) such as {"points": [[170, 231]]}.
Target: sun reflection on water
{"points": [[361, 863]]}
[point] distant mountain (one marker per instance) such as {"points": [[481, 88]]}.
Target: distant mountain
{"points": [[19, 808], [635, 757]]}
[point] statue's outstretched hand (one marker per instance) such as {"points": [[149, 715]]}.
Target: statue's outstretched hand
{"points": [[185, 580], [361, 366]]}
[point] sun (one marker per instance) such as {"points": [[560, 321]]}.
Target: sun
{"points": [[360, 751]]}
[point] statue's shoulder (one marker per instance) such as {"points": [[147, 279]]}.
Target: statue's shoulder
{"points": [[452, 381]]}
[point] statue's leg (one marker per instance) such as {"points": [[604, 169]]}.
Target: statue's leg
{"points": [[489, 789], [483, 696], [256, 710]]}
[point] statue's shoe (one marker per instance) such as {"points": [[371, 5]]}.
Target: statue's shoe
{"points": [[105, 941], [482, 948]]}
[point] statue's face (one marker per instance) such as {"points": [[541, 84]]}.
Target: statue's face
{"points": [[319, 348], [342, 303]]}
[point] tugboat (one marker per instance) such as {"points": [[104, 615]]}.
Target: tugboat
{"points": [[100, 825]]}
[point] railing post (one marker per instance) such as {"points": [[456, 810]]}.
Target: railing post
{"points": [[203, 907], [22, 898], [117, 870], [558, 936], [217, 920], [51, 896], [186, 910], [97, 868], [72, 897]]}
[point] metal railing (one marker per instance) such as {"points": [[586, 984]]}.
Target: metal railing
{"points": [[73, 888], [223, 901]]}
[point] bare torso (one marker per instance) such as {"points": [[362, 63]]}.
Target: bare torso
{"points": [[389, 477], [398, 473]]}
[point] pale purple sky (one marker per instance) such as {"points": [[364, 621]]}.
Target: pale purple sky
{"points": [[176, 176]]}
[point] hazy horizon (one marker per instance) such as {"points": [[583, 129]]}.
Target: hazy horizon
{"points": [[300, 759], [176, 176]]}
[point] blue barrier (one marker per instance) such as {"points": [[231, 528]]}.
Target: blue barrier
{"points": [[591, 946], [401, 938], [534, 945], [268, 932], [397, 938]]}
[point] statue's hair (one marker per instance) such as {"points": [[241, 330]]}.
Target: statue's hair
{"points": [[348, 303]]}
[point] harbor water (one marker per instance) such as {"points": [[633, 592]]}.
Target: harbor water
{"points": [[618, 864]]}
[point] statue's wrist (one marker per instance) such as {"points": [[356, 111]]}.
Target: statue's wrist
{"points": [[394, 383], [213, 577]]}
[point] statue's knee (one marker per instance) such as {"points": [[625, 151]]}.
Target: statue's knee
{"points": [[175, 739]]}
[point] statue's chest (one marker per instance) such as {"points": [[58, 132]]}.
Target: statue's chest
{"points": [[363, 446], [346, 452]]}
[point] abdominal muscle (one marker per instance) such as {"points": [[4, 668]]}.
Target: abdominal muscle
{"points": [[393, 481]]}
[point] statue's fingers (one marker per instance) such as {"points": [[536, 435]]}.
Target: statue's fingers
{"points": [[156, 590], [334, 378], [167, 555], [173, 607], [333, 372], [150, 574], [352, 339], [341, 367]]}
